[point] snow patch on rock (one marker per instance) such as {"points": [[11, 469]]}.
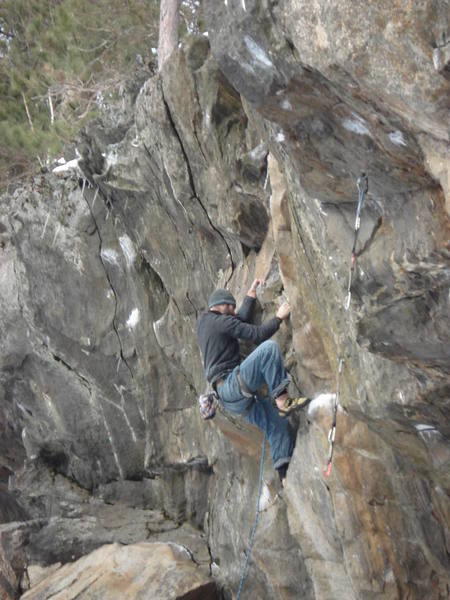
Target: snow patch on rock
{"points": [[65, 167], [133, 319], [321, 401], [109, 255], [397, 138], [356, 125], [257, 52], [128, 249]]}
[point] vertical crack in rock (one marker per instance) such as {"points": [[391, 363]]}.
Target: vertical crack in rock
{"points": [[83, 379], [122, 357], [300, 235], [194, 126], [163, 204], [197, 138], [19, 299], [169, 216], [192, 304], [193, 188]]}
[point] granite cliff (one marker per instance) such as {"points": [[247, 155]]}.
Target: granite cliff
{"points": [[239, 160]]}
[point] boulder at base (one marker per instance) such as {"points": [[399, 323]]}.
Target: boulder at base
{"points": [[143, 570]]}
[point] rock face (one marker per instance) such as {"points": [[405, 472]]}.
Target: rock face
{"points": [[240, 161], [135, 571]]}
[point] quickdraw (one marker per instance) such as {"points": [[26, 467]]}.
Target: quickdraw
{"points": [[332, 432], [363, 187]]}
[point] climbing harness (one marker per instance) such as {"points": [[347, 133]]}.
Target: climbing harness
{"points": [[243, 388], [363, 186], [332, 432], [255, 524]]}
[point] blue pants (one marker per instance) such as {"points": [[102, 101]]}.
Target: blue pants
{"points": [[263, 365]]}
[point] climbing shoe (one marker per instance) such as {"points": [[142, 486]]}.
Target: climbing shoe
{"points": [[282, 472], [293, 404]]}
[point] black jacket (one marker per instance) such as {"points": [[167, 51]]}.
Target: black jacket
{"points": [[218, 337]]}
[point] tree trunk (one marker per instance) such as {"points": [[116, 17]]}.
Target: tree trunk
{"points": [[169, 17]]}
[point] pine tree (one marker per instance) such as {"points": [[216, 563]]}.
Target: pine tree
{"points": [[56, 58]]}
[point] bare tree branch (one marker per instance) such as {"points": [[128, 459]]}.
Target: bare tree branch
{"points": [[50, 105], [28, 112]]}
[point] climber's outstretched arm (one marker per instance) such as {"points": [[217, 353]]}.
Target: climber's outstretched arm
{"points": [[245, 312]]}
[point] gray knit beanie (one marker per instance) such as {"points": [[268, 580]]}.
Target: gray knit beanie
{"points": [[221, 296]]}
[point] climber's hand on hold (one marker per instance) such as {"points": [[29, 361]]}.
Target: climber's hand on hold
{"points": [[284, 311], [252, 291]]}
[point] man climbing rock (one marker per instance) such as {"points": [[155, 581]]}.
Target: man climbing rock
{"points": [[237, 383]]}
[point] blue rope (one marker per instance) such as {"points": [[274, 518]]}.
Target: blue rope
{"points": [[255, 524]]}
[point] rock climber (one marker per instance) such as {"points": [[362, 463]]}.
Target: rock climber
{"points": [[236, 382]]}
